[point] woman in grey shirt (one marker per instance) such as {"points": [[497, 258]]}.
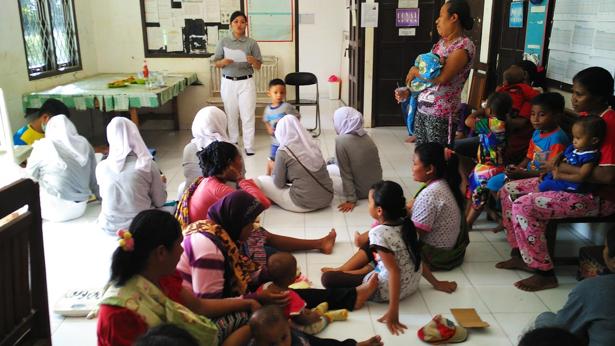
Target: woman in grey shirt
{"points": [[237, 87], [298, 162], [357, 165]]}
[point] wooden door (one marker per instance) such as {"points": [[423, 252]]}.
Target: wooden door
{"points": [[356, 51], [507, 43], [394, 55], [476, 8]]}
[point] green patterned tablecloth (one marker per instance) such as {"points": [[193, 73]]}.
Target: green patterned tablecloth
{"points": [[82, 94]]}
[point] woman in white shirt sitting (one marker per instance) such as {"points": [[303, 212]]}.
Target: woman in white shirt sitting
{"points": [[63, 163], [129, 179]]}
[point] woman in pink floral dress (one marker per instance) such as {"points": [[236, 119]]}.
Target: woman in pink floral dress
{"points": [[437, 105]]}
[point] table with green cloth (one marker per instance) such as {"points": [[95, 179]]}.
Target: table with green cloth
{"points": [[93, 93]]}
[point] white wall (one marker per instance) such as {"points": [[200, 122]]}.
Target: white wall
{"points": [[13, 67], [119, 39], [320, 44]]}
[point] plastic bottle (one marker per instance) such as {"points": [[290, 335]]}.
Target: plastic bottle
{"points": [[145, 70]]}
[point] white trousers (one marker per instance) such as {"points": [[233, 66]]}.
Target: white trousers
{"points": [[336, 177], [239, 98], [55, 209], [281, 197]]}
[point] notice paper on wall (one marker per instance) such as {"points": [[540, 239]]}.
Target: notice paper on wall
{"points": [[369, 15], [211, 12], [227, 7], [407, 31], [193, 9], [155, 38], [212, 35], [408, 4], [175, 43], [151, 11]]}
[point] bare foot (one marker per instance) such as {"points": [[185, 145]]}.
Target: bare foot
{"points": [[514, 263], [373, 341], [357, 239], [410, 139], [365, 291], [497, 229], [328, 242], [537, 283]]}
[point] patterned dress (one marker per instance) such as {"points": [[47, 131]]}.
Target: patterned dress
{"points": [[491, 133]]}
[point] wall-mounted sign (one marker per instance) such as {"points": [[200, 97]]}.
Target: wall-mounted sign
{"points": [[407, 17], [408, 3], [407, 31], [516, 14]]}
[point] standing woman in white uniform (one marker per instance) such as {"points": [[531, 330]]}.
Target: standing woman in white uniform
{"points": [[237, 88]]}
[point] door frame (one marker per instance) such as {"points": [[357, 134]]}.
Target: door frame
{"points": [[360, 54]]}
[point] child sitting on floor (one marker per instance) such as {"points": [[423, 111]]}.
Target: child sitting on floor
{"points": [[37, 122], [282, 267], [587, 135], [274, 112], [492, 140]]}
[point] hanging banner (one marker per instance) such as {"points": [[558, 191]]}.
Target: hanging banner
{"points": [[536, 31], [516, 14]]}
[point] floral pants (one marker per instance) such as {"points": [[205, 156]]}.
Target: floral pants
{"points": [[526, 212]]}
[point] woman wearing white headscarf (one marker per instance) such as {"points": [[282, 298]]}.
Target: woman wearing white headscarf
{"points": [[129, 179], [209, 125], [357, 165], [299, 163], [63, 163]]}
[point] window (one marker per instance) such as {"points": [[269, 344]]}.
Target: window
{"points": [[50, 37]]}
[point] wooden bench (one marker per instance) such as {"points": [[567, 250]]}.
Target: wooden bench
{"points": [[268, 71], [24, 310], [551, 235]]}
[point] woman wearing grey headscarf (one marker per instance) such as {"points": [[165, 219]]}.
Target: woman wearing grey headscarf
{"points": [[357, 165]]}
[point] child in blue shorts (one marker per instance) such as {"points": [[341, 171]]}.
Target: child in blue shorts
{"points": [[274, 112], [587, 135]]}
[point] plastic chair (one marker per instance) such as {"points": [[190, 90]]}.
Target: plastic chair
{"points": [[298, 79]]}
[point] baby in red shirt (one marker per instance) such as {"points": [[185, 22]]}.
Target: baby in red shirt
{"points": [[282, 268]]}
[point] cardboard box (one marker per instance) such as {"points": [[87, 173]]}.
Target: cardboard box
{"points": [[468, 318]]}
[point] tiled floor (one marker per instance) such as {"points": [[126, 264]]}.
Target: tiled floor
{"points": [[78, 254]]}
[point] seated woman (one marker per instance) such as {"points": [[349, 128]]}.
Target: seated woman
{"points": [[64, 165], [209, 125], [592, 93], [143, 267], [298, 162], [212, 265], [222, 167], [129, 180], [357, 165]]}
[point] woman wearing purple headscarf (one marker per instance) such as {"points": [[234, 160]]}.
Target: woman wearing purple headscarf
{"points": [[357, 165], [213, 264]]}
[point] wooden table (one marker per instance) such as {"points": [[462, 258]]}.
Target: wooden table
{"points": [[93, 93]]}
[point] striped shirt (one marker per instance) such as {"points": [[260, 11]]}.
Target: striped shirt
{"points": [[201, 266]]}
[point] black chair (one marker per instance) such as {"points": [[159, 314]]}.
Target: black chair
{"points": [[298, 79]]}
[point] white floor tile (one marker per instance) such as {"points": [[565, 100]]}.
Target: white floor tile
{"points": [[464, 297], [510, 299], [485, 273], [481, 252], [516, 324]]}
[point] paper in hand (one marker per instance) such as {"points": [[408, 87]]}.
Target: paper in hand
{"points": [[235, 54]]}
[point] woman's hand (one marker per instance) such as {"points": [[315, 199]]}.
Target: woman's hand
{"points": [[251, 60], [346, 207], [412, 73], [270, 298], [253, 305], [392, 322], [401, 94], [226, 62]]}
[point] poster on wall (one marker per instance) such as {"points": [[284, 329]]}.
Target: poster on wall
{"points": [[516, 15], [369, 15], [407, 17], [270, 20], [536, 31]]}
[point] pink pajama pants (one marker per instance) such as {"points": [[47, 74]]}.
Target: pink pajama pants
{"points": [[526, 212]]}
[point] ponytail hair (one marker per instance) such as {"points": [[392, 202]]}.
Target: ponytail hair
{"points": [[149, 229], [432, 154], [216, 157], [598, 82], [389, 196]]}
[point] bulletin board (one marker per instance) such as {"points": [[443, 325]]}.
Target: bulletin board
{"points": [[582, 35], [271, 20], [185, 28]]}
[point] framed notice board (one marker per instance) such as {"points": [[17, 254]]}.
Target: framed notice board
{"points": [[185, 28], [582, 35]]}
